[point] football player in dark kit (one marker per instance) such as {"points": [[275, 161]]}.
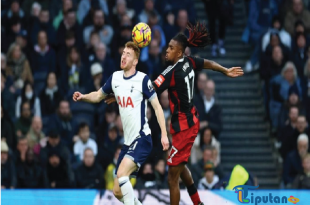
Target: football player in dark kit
{"points": [[178, 78]]}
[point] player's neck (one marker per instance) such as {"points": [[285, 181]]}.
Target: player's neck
{"points": [[177, 60], [130, 72]]}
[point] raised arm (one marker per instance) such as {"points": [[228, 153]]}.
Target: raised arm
{"points": [[230, 72], [93, 97], [161, 121]]}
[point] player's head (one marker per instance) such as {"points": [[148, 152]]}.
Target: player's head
{"points": [[130, 56], [198, 37]]}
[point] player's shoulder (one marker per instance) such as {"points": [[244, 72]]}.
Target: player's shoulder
{"points": [[118, 74], [141, 75]]}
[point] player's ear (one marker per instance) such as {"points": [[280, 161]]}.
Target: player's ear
{"points": [[135, 62], [180, 54]]}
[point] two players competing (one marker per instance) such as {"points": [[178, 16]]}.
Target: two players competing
{"points": [[178, 78]]}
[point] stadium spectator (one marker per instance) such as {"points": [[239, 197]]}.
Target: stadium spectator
{"points": [[17, 66], [54, 144], [293, 100], [22, 40], [21, 149], [96, 82], [109, 174], [105, 31], [280, 87], [90, 47], [30, 174], [293, 161], [28, 5], [201, 82], [276, 41], [272, 64], [177, 5], [43, 57], [306, 86], [104, 61], [8, 130], [260, 17], [299, 53], [276, 27], [14, 27], [89, 175], [182, 20], [69, 23], [51, 96], [210, 113], [207, 139], [153, 61], [7, 97], [285, 134], [23, 123], [161, 174], [84, 142], [198, 168], [35, 134], [66, 5], [64, 123], [63, 51], [220, 10], [43, 23], [108, 147], [72, 75], [210, 180], [86, 8], [297, 12], [13, 11], [119, 125], [34, 13], [170, 29], [147, 179], [302, 180], [8, 172], [119, 11], [57, 172], [145, 13]]}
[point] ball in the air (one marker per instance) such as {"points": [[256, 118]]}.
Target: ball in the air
{"points": [[141, 35]]}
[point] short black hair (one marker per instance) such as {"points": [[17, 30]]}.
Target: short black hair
{"points": [[83, 125]]}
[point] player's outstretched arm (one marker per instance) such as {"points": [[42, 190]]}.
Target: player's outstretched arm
{"points": [[93, 97], [161, 121], [230, 72]]}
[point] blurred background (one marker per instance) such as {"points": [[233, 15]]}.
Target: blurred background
{"points": [[253, 129]]}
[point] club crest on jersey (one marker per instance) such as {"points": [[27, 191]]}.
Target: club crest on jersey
{"points": [[160, 79], [125, 101]]}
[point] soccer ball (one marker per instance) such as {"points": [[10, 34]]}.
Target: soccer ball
{"points": [[141, 35]]}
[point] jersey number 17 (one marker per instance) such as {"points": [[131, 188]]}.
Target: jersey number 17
{"points": [[189, 80]]}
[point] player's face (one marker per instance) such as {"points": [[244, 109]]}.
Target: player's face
{"points": [[173, 52], [128, 59]]}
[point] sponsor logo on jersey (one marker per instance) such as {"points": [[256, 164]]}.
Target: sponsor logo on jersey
{"points": [[125, 101], [160, 79]]}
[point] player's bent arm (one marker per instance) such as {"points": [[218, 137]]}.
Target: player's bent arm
{"points": [[208, 64], [159, 114], [94, 97]]}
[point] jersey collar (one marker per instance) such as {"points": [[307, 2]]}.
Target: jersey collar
{"points": [[127, 78]]}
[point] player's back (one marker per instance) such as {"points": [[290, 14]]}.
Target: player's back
{"points": [[179, 79]]}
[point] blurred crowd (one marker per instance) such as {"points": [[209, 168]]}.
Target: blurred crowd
{"points": [[279, 32], [51, 49]]}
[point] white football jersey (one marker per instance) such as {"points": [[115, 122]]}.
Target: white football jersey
{"points": [[131, 94]]}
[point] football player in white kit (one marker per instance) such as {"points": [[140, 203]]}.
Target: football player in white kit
{"points": [[132, 89]]}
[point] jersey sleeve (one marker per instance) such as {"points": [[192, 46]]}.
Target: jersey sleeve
{"points": [[147, 88], [107, 87], [196, 62], [162, 82]]}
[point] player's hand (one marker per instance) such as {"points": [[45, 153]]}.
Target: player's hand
{"points": [[110, 99], [165, 142], [77, 96], [234, 72]]}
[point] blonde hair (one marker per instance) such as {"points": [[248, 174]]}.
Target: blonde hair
{"points": [[288, 65], [134, 47]]}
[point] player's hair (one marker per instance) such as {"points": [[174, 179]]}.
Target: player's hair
{"points": [[134, 47], [198, 36]]}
